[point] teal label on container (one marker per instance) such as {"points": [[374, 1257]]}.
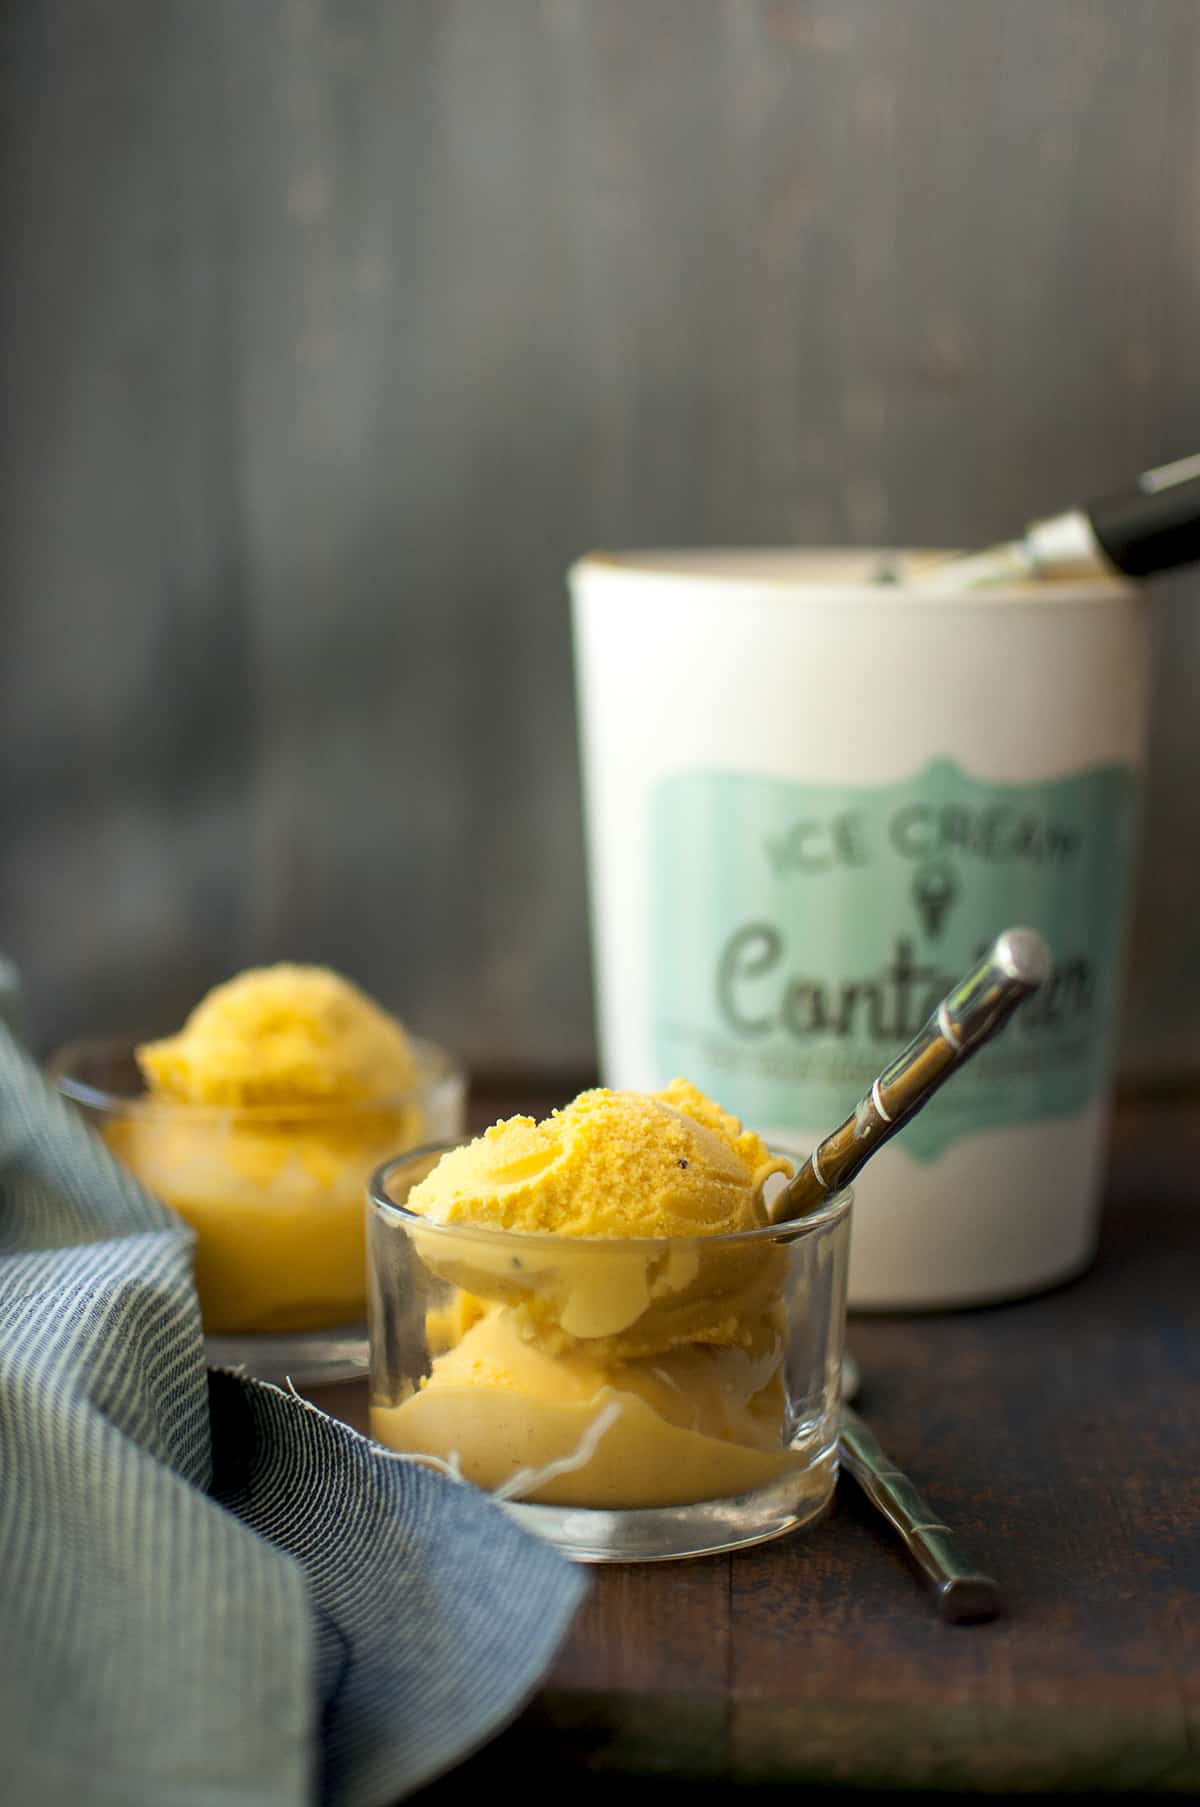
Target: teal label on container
{"points": [[802, 934]]}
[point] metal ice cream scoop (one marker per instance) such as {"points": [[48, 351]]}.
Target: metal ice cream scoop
{"points": [[1151, 527], [967, 1017], [961, 1591]]}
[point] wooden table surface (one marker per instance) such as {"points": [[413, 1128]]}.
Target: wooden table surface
{"points": [[1060, 1437]]}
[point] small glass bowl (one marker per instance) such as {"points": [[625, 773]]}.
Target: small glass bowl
{"points": [[275, 1198], [629, 1399]]}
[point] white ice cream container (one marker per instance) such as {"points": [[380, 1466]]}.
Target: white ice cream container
{"points": [[812, 800]]}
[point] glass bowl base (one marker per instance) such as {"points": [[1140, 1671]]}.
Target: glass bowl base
{"points": [[306, 1357], [670, 1533]]}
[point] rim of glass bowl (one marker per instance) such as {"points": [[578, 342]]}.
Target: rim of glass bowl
{"points": [[831, 1212], [435, 1067]]}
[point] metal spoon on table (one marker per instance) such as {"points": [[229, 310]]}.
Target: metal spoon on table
{"points": [[962, 1592], [1017, 963]]}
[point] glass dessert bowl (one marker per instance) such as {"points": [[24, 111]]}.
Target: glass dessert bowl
{"points": [[273, 1191], [628, 1397]]}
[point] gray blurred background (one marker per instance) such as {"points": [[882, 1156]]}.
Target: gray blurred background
{"points": [[333, 330]]}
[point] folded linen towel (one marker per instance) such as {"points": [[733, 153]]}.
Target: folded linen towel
{"points": [[210, 1592]]}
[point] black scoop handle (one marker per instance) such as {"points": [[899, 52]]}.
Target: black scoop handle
{"points": [[1156, 525]]}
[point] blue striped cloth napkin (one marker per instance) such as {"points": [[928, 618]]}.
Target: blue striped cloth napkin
{"points": [[211, 1594]]}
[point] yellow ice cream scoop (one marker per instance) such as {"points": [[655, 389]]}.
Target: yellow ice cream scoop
{"points": [[668, 1163], [264, 1116], [698, 1423], [663, 1169], [281, 1035]]}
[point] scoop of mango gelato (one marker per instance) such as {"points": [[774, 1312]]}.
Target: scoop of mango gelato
{"points": [[266, 1114], [281, 1035], [696, 1424], [668, 1163], [668, 1169]]}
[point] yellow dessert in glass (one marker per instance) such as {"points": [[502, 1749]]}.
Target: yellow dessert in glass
{"points": [[258, 1123], [594, 1312]]}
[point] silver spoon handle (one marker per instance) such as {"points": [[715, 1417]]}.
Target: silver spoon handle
{"points": [[969, 1015], [962, 1593], [1151, 527]]}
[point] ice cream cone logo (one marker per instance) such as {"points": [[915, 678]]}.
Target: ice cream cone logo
{"points": [[934, 889]]}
